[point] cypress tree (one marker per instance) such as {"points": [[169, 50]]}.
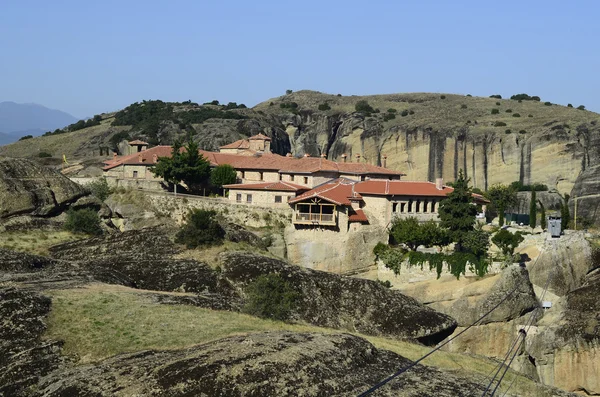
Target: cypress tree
{"points": [[565, 215], [457, 212], [543, 220], [533, 210]]}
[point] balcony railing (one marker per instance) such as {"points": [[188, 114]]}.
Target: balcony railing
{"points": [[314, 219]]}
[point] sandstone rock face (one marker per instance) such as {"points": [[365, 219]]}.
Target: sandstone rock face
{"points": [[28, 188], [468, 299], [342, 302], [268, 364]]}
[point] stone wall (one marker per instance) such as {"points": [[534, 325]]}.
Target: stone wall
{"points": [[261, 197]]}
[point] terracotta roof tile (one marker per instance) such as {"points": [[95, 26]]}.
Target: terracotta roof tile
{"points": [[147, 157], [259, 137], [269, 186], [240, 144], [358, 215], [406, 188], [338, 191], [137, 142]]}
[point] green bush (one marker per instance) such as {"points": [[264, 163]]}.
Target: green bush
{"points": [[522, 132], [411, 112], [499, 124], [497, 103], [288, 92], [288, 105], [44, 154], [569, 105], [525, 97], [516, 115], [442, 96], [581, 107], [270, 296], [389, 116], [495, 111], [507, 241], [404, 113], [83, 221], [469, 95], [392, 110], [548, 103], [324, 107], [386, 283], [496, 96], [463, 106], [530, 115], [508, 110], [223, 174], [507, 131], [25, 137], [200, 229], [99, 188], [364, 107]]}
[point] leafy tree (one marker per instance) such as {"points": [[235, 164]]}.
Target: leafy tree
{"points": [[364, 107], [83, 221], [187, 166], [270, 296], [457, 212], [501, 197], [533, 210], [411, 232], [288, 92], [201, 228], [324, 107], [581, 107], [223, 174], [507, 241], [99, 188], [495, 111], [565, 214], [25, 137], [477, 242], [44, 155], [496, 96], [543, 220], [569, 105]]}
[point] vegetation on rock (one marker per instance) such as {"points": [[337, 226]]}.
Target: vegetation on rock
{"points": [[223, 174], [270, 296], [565, 213], [412, 233], [99, 188], [85, 220], [507, 242], [533, 210], [201, 228]]}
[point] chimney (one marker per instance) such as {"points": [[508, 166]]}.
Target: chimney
{"points": [[114, 156], [358, 158], [306, 155], [344, 157], [439, 183], [155, 158], [323, 155], [288, 155], [139, 158], [384, 161]]}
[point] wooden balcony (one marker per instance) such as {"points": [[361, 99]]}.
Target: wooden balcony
{"points": [[302, 218]]}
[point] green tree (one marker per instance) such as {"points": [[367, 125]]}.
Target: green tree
{"points": [[364, 107], [223, 174], [501, 198], [99, 188], [565, 214], [457, 212], [507, 241], [411, 232], [477, 242], [187, 166], [533, 210], [270, 296], [201, 228], [85, 220], [543, 220]]}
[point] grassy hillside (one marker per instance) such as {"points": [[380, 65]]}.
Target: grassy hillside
{"points": [[103, 320]]}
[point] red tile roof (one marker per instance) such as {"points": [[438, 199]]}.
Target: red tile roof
{"points": [[240, 144], [406, 188], [358, 215], [137, 142], [146, 156], [259, 137], [338, 191], [269, 186]]}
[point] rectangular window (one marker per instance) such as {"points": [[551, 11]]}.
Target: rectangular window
{"points": [[292, 178], [394, 207], [260, 175], [135, 174], [243, 174], [238, 197], [280, 177], [278, 199], [248, 198], [306, 180]]}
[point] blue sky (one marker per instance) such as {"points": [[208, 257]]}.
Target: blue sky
{"points": [[88, 57]]}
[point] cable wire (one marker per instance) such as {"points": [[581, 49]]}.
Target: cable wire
{"points": [[414, 363], [510, 362]]}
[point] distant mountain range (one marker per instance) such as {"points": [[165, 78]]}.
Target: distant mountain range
{"points": [[20, 119]]}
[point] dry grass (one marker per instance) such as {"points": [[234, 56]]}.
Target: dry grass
{"points": [[210, 255], [35, 241], [100, 321]]}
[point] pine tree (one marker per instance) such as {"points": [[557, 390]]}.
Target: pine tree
{"points": [[543, 220], [533, 210], [565, 215], [457, 212]]}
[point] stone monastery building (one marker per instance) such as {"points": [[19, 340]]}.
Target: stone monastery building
{"points": [[340, 196]]}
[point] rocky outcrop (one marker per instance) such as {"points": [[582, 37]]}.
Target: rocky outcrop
{"points": [[340, 302], [24, 357], [268, 364], [28, 188], [468, 299]]}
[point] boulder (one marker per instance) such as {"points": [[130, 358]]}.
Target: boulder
{"points": [[29, 188], [335, 301]]}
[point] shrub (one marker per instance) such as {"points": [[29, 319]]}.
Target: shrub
{"points": [[200, 229], [469, 95], [404, 113], [324, 106], [516, 115], [85, 220], [385, 283], [392, 110], [496, 96], [508, 110], [271, 104], [270, 296], [498, 103], [499, 124], [411, 112], [581, 107], [495, 111], [376, 111], [288, 92], [548, 103], [389, 116], [364, 107], [44, 154], [442, 96], [507, 241], [522, 132], [25, 137], [99, 188], [223, 174], [463, 106], [339, 94], [530, 115], [507, 131], [288, 105], [525, 97], [569, 105]]}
